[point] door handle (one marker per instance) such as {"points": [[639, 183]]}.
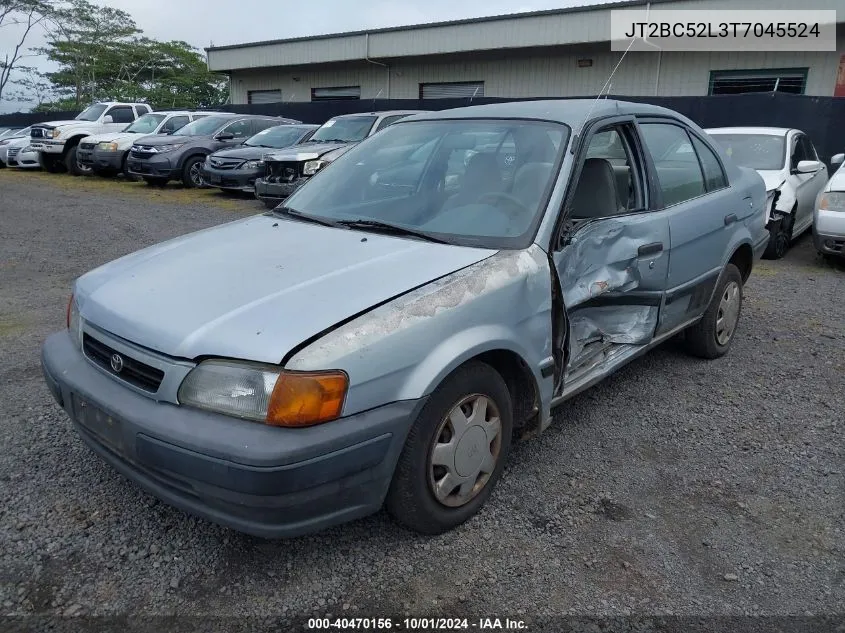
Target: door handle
{"points": [[730, 219], [650, 249]]}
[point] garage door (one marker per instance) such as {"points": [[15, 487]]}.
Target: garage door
{"points": [[453, 90], [340, 92], [264, 96]]}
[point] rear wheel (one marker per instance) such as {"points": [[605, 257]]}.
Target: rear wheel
{"points": [[455, 451], [192, 172], [49, 163], [711, 337]]}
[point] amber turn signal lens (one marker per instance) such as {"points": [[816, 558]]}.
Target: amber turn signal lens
{"points": [[307, 398]]}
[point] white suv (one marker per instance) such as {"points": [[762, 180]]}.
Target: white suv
{"points": [[57, 141], [106, 154]]}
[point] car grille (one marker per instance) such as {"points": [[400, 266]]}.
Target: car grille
{"points": [[142, 151], [134, 372], [87, 145], [38, 132], [281, 171], [224, 163]]}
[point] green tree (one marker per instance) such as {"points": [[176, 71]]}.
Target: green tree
{"points": [[23, 17]]}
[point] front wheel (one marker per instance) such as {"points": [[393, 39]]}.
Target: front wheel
{"points": [[192, 172], [711, 337], [50, 164], [72, 164], [780, 237], [455, 451]]}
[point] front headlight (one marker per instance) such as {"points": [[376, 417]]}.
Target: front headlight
{"points": [[56, 132], [74, 322], [253, 164], [265, 393], [832, 201], [108, 147], [313, 166], [169, 148]]}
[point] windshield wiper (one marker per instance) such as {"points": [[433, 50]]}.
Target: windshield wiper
{"points": [[332, 140], [392, 229], [299, 215]]}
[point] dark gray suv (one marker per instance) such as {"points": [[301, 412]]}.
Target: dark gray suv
{"points": [[179, 156]]}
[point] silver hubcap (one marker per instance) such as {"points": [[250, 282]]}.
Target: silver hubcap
{"points": [[196, 174], [728, 313], [466, 450]]}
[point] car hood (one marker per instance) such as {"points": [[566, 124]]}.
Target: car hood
{"points": [[305, 151], [111, 137], [244, 152], [16, 141], [773, 178], [170, 139], [52, 124], [837, 181], [256, 288]]}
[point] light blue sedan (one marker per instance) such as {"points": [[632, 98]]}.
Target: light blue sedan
{"points": [[433, 293]]}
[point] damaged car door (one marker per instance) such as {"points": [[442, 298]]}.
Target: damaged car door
{"points": [[612, 258]]}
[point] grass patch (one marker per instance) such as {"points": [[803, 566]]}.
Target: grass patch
{"points": [[173, 193]]}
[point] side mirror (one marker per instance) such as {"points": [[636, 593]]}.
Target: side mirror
{"points": [[108, 119], [808, 166], [225, 136], [838, 159]]}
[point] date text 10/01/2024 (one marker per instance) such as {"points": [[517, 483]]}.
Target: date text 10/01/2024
{"points": [[416, 624]]}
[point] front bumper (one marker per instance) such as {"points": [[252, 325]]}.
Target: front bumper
{"points": [[266, 481], [102, 160], [829, 232], [277, 190], [48, 146], [154, 167], [235, 179]]}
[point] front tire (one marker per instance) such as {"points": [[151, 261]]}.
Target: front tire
{"points": [[50, 164], [72, 164], [712, 336], [455, 451], [780, 237], [192, 173]]}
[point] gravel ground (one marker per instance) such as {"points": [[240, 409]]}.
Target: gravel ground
{"points": [[677, 486]]}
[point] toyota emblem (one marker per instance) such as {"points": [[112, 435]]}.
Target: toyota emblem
{"points": [[116, 363]]}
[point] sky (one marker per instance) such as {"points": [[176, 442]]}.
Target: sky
{"points": [[203, 23]]}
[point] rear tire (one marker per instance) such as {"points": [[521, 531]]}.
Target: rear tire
{"points": [[712, 336], [192, 173], [455, 451]]}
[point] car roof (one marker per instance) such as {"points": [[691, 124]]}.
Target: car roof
{"points": [[380, 113], [770, 131], [571, 112]]}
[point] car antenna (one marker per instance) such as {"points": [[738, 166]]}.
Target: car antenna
{"points": [[608, 84], [375, 98]]}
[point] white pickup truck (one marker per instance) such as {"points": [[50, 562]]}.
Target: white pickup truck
{"points": [[57, 141]]}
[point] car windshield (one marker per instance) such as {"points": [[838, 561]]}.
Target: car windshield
{"points": [[757, 151], [348, 129], [147, 124], [91, 113], [276, 137], [470, 182], [203, 127]]}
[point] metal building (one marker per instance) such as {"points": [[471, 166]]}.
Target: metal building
{"points": [[556, 53]]}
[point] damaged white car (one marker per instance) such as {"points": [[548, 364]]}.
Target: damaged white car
{"points": [[788, 163], [380, 338]]}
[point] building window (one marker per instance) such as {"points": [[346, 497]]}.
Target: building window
{"points": [[452, 90], [263, 96], [731, 82], [338, 93]]}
